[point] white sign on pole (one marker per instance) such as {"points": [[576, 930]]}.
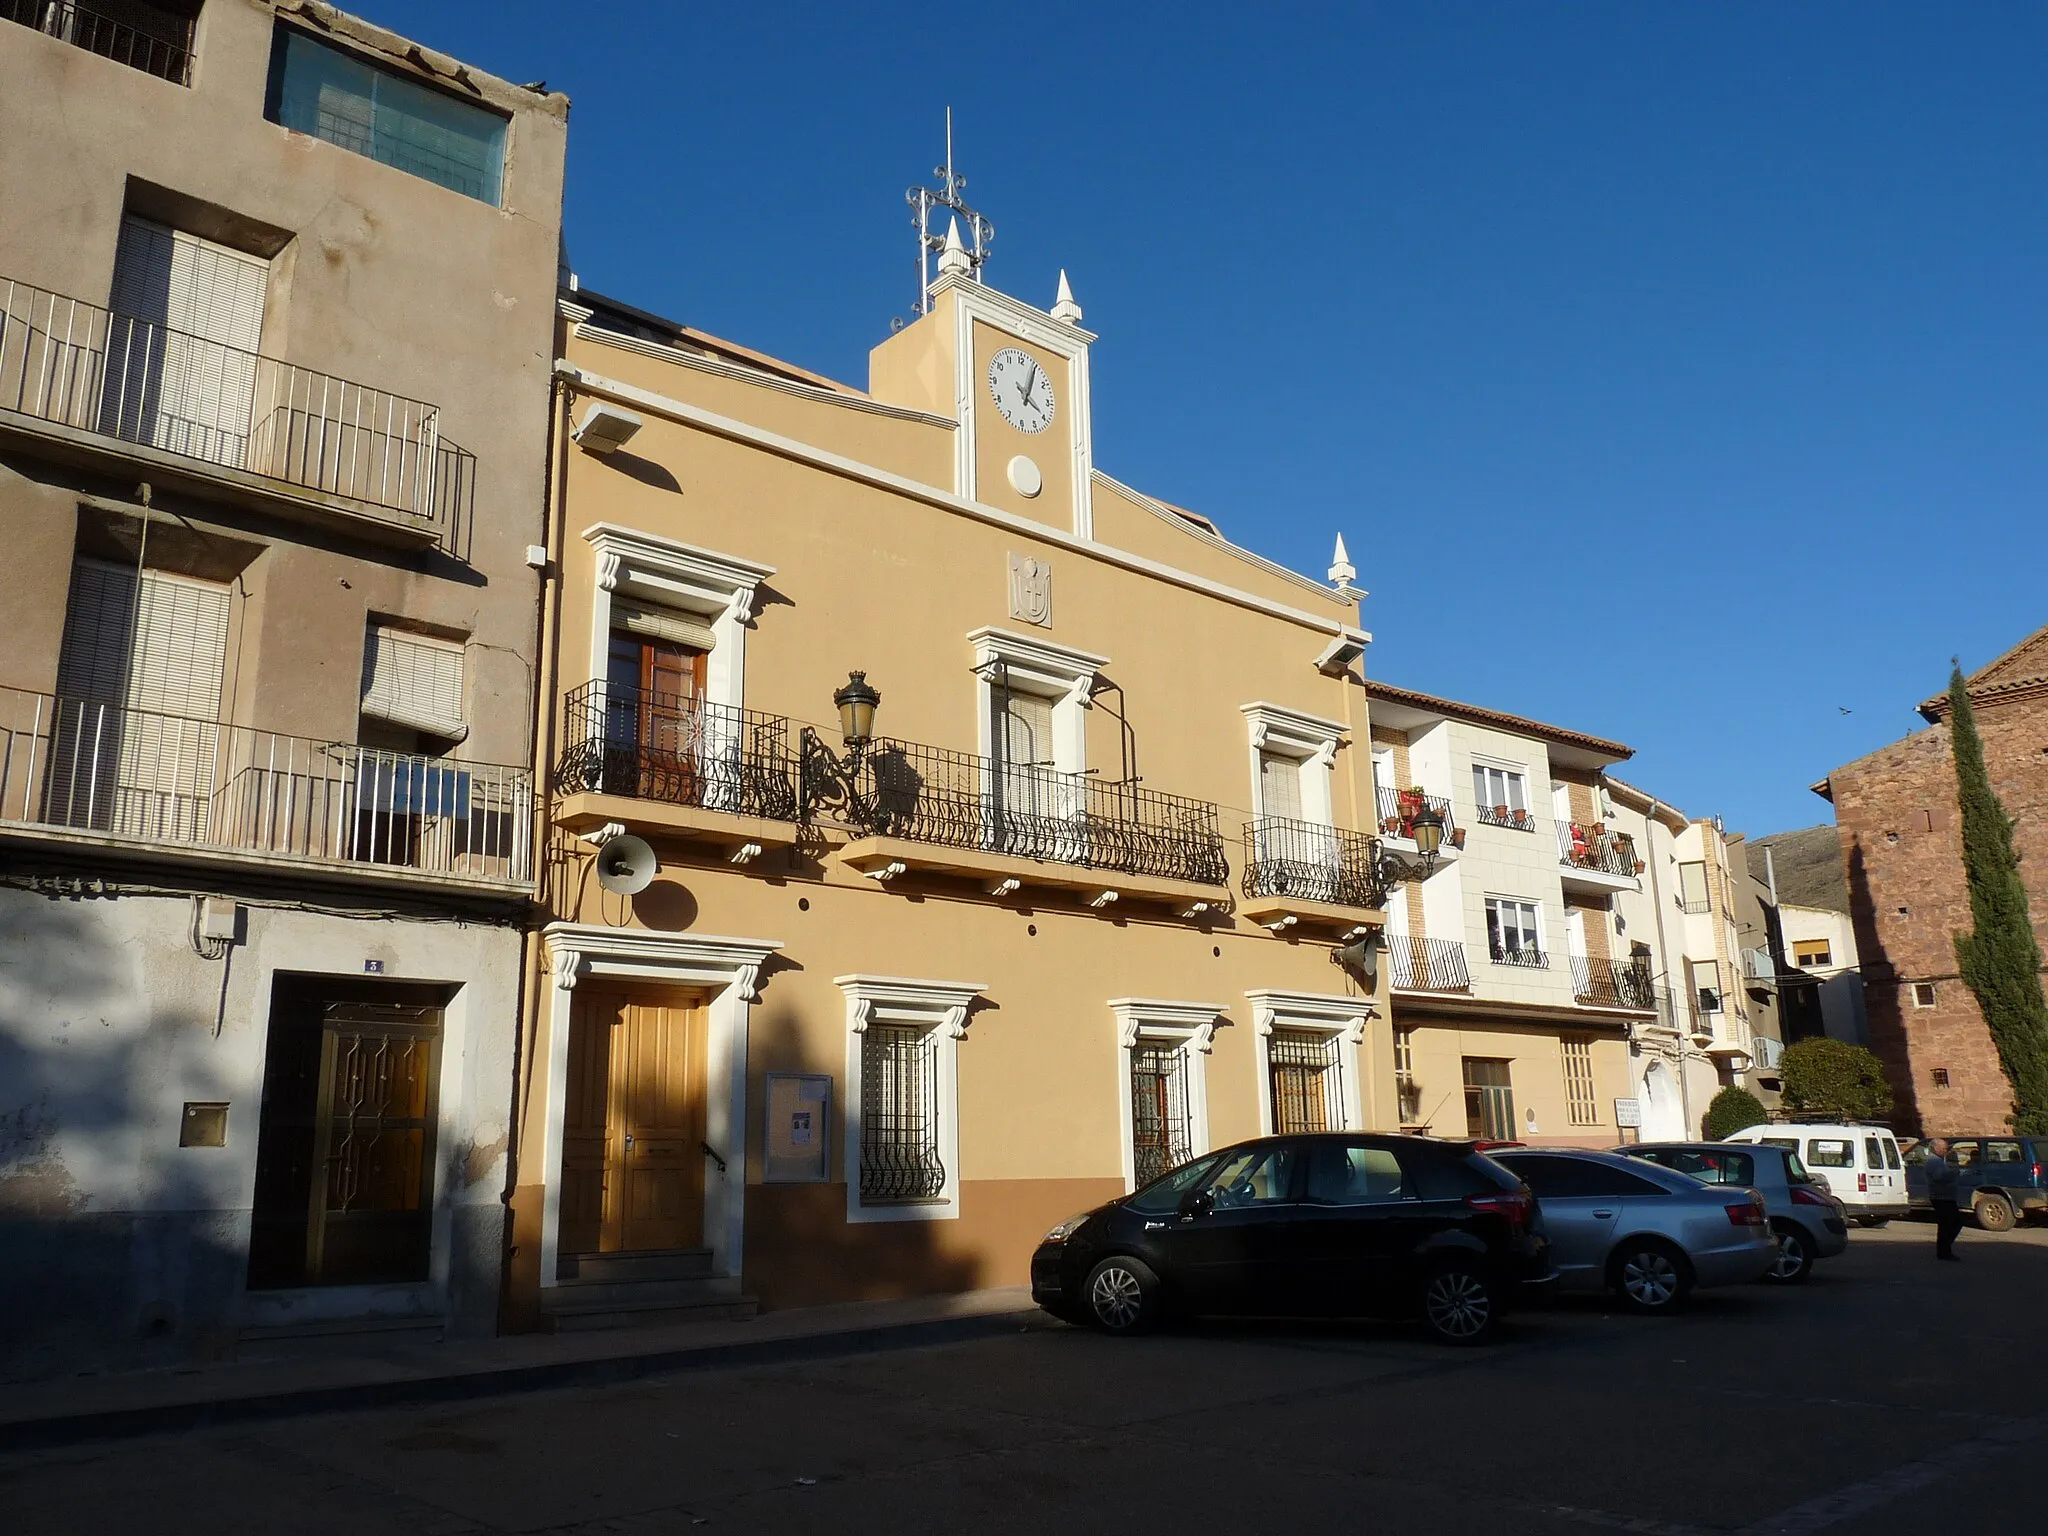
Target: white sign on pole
{"points": [[1628, 1113]]}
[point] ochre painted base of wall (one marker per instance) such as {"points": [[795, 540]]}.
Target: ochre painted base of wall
{"points": [[519, 1302], [802, 1251]]}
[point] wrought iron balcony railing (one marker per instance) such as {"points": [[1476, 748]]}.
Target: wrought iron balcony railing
{"points": [[1428, 965], [1398, 808], [87, 765], [1596, 849], [1612, 984], [1284, 857], [77, 365], [1518, 954], [682, 751], [1507, 816], [165, 52], [960, 800]]}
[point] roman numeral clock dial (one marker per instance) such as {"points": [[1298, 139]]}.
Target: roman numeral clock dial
{"points": [[1022, 391]]}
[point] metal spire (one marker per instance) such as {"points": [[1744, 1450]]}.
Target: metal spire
{"points": [[948, 192]]}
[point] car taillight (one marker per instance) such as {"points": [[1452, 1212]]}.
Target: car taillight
{"points": [[1515, 1205], [1862, 1183], [1801, 1195], [1749, 1213], [2037, 1173]]}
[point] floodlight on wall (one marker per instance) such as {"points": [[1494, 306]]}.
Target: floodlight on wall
{"points": [[605, 427], [1336, 657]]}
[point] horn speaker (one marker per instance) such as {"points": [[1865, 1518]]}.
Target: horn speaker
{"points": [[626, 866]]}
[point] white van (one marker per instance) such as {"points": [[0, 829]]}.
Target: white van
{"points": [[1860, 1164]]}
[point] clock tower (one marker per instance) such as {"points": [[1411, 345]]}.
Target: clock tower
{"points": [[1012, 379]]}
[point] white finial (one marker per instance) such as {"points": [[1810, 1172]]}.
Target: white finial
{"points": [[1342, 571], [953, 256], [1063, 306]]}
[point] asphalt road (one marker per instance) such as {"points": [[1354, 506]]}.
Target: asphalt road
{"points": [[1890, 1394]]}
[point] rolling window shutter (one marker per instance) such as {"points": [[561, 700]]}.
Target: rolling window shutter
{"points": [[413, 681], [180, 630], [664, 624], [1280, 786], [1027, 731]]}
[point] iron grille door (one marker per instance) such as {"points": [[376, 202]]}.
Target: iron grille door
{"points": [[1161, 1136], [899, 1115], [1307, 1082]]}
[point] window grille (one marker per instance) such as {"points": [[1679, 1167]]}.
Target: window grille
{"points": [[1161, 1132], [1582, 1104], [899, 1115], [1307, 1082], [1489, 1100]]}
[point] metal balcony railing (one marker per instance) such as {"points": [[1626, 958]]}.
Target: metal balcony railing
{"points": [[1397, 813], [683, 751], [91, 369], [1428, 965], [87, 765], [961, 800], [1612, 984], [1596, 849], [1518, 954], [1507, 816], [162, 48], [1285, 857]]}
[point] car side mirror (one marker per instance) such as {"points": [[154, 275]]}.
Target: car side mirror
{"points": [[1196, 1202]]}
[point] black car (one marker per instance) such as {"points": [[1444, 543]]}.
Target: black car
{"points": [[1328, 1225]]}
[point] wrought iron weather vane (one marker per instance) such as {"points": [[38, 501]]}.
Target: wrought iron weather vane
{"points": [[949, 194]]}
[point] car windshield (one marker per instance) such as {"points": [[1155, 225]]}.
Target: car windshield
{"points": [[1163, 1193], [1252, 1176]]}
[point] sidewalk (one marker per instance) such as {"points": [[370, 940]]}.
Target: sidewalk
{"points": [[40, 1414]]}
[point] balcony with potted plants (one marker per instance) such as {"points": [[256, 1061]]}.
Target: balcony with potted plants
{"points": [[1595, 859], [1399, 812]]}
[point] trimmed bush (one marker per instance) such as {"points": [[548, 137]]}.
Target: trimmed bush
{"points": [[1837, 1079], [1734, 1109]]}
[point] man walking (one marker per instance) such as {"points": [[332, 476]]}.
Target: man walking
{"points": [[1941, 1194]]}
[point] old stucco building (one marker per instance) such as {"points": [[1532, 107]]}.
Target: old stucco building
{"points": [[1901, 839], [276, 307]]}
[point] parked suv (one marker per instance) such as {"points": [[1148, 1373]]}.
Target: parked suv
{"points": [[1997, 1177], [1860, 1164], [1807, 1221], [1327, 1225]]}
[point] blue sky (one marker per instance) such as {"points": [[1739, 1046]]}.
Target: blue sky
{"points": [[1677, 373]]}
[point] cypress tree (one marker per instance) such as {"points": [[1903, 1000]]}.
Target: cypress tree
{"points": [[2000, 960]]}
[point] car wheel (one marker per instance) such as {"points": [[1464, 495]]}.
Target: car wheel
{"points": [[1123, 1295], [1650, 1279], [1795, 1255], [1994, 1212], [1461, 1304]]}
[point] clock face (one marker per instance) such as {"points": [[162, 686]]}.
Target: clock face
{"points": [[1022, 391]]}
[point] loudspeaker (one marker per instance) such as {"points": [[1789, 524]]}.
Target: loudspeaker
{"points": [[626, 866], [1361, 959]]}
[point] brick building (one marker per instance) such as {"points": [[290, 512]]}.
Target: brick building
{"points": [[1901, 838]]}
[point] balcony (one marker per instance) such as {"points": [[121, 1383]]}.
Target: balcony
{"points": [[1612, 984], [1525, 955], [1305, 872], [1010, 825], [1594, 859], [1427, 965], [1398, 809], [152, 39], [95, 775], [1507, 816], [109, 389], [676, 767]]}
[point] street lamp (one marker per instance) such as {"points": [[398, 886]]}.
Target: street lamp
{"points": [[856, 703], [832, 779], [1428, 826]]}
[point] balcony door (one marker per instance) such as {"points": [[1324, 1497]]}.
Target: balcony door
{"points": [[655, 747], [187, 319], [135, 747], [1038, 808]]}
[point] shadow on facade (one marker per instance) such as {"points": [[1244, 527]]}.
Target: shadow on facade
{"points": [[1881, 1014], [117, 1252]]}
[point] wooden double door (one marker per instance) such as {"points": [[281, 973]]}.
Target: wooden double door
{"points": [[633, 1127]]}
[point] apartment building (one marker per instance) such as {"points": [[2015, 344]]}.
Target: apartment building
{"points": [[276, 311], [1564, 973], [1803, 871], [1901, 849], [1007, 820]]}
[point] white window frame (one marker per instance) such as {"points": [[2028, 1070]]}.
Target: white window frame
{"points": [[907, 1002], [1317, 1013], [729, 970], [1508, 770], [1275, 731], [1542, 923], [1030, 665], [718, 589], [1188, 1027]]}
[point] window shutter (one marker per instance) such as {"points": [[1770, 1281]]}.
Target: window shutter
{"points": [[664, 624], [1280, 786], [413, 681], [1027, 731], [180, 630]]}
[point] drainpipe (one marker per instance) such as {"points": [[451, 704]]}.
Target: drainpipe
{"points": [[1770, 874], [1664, 954]]}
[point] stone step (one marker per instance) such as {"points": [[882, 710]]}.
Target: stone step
{"points": [[653, 1264], [274, 1341], [582, 1315], [633, 1293]]}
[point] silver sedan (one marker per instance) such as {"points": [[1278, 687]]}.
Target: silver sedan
{"points": [[1646, 1233]]}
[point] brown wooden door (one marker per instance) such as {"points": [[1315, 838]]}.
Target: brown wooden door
{"points": [[633, 1124]]}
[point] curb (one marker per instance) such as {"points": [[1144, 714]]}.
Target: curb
{"points": [[127, 1423]]}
